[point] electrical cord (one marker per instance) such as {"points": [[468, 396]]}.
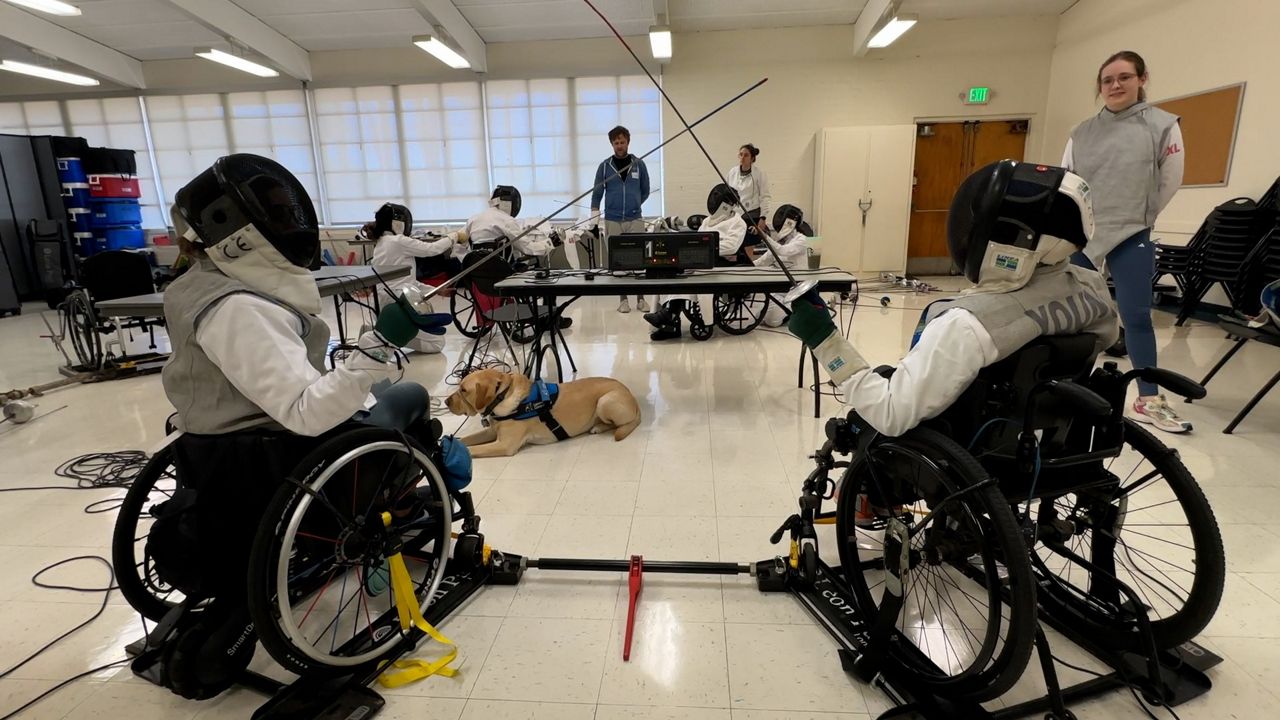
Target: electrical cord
{"points": [[106, 595], [1124, 680]]}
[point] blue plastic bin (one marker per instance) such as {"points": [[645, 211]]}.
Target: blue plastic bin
{"points": [[87, 244], [78, 220], [75, 194], [126, 238], [114, 213], [71, 170]]}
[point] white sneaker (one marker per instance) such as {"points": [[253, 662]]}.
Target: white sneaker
{"points": [[1156, 411], [624, 306], [641, 305]]}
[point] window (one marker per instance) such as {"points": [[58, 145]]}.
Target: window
{"points": [[40, 117], [188, 132], [117, 123], [360, 148], [531, 144], [13, 120], [444, 150], [632, 102], [274, 124]]}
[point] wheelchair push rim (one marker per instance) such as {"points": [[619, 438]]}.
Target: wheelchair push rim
{"points": [[466, 312], [136, 572], [1153, 525], [968, 607], [740, 314], [364, 627]]}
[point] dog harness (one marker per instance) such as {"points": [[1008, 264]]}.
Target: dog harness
{"points": [[542, 397]]}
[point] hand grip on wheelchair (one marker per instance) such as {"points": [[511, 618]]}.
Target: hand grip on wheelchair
{"points": [[1175, 383]]}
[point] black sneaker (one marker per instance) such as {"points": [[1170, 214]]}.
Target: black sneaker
{"points": [[669, 332], [661, 318]]}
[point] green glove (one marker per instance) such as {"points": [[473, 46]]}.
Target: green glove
{"points": [[811, 323], [395, 326]]}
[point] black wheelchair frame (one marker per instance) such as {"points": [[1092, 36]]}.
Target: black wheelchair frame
{"points": [[1041, 382]]}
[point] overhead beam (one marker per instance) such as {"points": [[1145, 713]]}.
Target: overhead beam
{"points": [[35, 32], [873, 17], [230, 20], [445, 14]]}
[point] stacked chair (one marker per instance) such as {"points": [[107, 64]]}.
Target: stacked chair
{"points": [[1216, 254]]}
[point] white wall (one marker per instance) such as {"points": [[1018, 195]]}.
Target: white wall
{"points": [[1189, 46], [815, 82]]}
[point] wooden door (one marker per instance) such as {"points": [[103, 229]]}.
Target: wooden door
{"points": [[946, 154]]}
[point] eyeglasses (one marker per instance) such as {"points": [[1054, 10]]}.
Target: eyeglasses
{"points": [[1121, 79]]}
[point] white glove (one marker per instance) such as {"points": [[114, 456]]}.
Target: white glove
{"points": [[839, 358], [375, 356], [595, 218]]}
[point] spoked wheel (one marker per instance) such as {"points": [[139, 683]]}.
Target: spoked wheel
{"points": [[1150, 526], [740, 314], [466, 313], [319, 582], [968, 613], [82, 326], [136, 571]]}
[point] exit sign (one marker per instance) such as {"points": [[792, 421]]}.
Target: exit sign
{"points": [[978, 96]]}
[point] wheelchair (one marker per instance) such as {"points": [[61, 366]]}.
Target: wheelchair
{"points": [[108, 275], [475, 299], [308, 553], [1031, 494]]}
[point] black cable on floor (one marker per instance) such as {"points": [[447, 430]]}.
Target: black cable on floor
{"points": [[106, 595], [1130, 686]]}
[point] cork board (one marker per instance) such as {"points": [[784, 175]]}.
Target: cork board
{"points": [[1209, 123]]}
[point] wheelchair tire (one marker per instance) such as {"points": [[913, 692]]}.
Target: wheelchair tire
{"points": [[977, 525], [1145, 563], [82, 327], [739, 314], [336, 543], [135, 574], [466, 313]]}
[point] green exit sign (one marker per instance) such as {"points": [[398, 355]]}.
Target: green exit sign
{"points": [[978, 96]]}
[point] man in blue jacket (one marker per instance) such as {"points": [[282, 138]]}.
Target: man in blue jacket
{"points": [[623, 181]]}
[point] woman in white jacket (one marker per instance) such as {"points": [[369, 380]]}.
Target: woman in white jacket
{"points": [[753, 187]]}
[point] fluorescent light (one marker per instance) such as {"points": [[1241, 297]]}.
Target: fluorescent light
{"points": [[442, 52], [46, 73], [660, 41], [236, 62], [53, 7], [892, 31]]}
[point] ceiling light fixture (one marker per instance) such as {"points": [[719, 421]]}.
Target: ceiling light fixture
{"points": [[442, 52], [893, 30], [236, 62], [660, 41], [52, 7], [47, 73]]}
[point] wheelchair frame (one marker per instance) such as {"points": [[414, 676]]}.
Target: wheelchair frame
{"points": [[1164, 676]]}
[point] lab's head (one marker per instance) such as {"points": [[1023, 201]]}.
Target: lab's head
{"points": [[479, 390], [747, 155], [1122, 80], [620, 138]]}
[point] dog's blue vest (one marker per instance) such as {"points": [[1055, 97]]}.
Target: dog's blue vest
{"points": [[542, 397]]}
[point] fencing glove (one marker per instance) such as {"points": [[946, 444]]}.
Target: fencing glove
{"points": [[811, 322]]}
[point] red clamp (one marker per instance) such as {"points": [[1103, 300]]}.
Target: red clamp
{"points": [[634, 582]]}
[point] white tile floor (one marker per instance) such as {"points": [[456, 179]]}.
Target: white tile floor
{"points": [[713, 470]]}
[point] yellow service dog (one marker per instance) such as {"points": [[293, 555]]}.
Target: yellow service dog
{"points": [[589, 404]]}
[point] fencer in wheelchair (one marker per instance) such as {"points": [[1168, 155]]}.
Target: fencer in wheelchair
{"points": [[992, 468], [279, 510]]}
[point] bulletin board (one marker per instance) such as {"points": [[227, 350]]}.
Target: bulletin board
{"points": [[1209, 123]]}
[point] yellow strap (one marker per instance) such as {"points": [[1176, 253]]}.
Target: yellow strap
{"points": [[413, 669]]}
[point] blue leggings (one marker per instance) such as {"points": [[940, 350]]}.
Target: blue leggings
{"points": [[1132, 265]]}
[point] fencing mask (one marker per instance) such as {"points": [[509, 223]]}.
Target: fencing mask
{"points": [[507, 199]]}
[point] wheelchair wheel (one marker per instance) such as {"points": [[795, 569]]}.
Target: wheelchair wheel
{"points": [[963, 640], [466, 313], [136, 573], [319, 586], [740, 314], [1152, 525], [82, 327]]}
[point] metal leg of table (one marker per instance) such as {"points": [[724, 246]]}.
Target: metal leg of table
{"points": [[1247, 408], [337, 311]]}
